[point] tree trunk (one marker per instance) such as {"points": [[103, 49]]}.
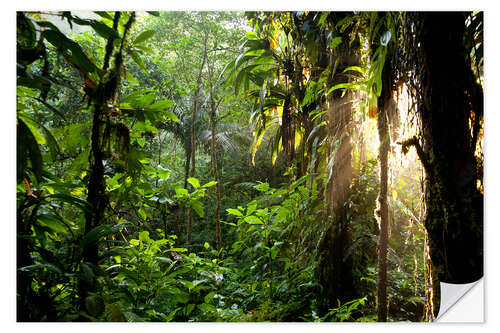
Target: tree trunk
{"points": [[96, 191], [454, 219], [336, 276], [193, 137], [384, 102], [213, 157]]}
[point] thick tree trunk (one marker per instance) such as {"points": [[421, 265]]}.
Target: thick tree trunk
{"points": [[454, 219], [335, 267], [336, 275], [454, 204]]}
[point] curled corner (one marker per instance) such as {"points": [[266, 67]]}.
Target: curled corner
{"points": [[461, 302]]}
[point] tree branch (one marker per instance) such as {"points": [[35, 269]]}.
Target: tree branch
{"points": [[422, 155]]}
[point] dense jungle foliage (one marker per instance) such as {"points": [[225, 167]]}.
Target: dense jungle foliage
{"points": [[258, 166]]}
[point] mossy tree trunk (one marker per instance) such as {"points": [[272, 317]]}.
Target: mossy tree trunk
{"points": [[451, 98], [105, 95]]}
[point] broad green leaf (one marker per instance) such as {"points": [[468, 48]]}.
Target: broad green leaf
{"points": [[197, 207], [172, 116], [161, 105], [135, 56], [180, 192], [233, 211], [101, 28], [208, 298], [53, 222], [143, 101], [145, 35], [207, 307], [95, 234], [47, 137], [94, 305], [27, 149], [194, 182], [142, 213], [70, 50], [162, 172], [70, 199]]}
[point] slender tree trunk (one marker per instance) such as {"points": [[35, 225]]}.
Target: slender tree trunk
{"points": [[213, 155], [187, 163], [382, 213], [193, 137]]}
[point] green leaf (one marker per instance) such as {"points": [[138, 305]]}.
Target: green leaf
{"points": [[254, 220], [198, 207], [263, 187], [144, 236], [94, 235], [233, 211], [181, 192], [354, 69], [188, 309], [207, 307], [162, 173], [206, 245], [194, 182], [94, 305], [27, 149], [137, 59], [208, 298], [300, 181], [333, 43], [142, 101], [172, 314], [210, 184], [172, 116], [32, 125], [144, 36], [104, 15], [70, 50], [53, 222], [101, 28], [178, 249], [70, 199], [161, 105], [142, 213], [47, 137]]}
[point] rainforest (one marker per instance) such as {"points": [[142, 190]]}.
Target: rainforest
{"points": [[279, 166]]}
